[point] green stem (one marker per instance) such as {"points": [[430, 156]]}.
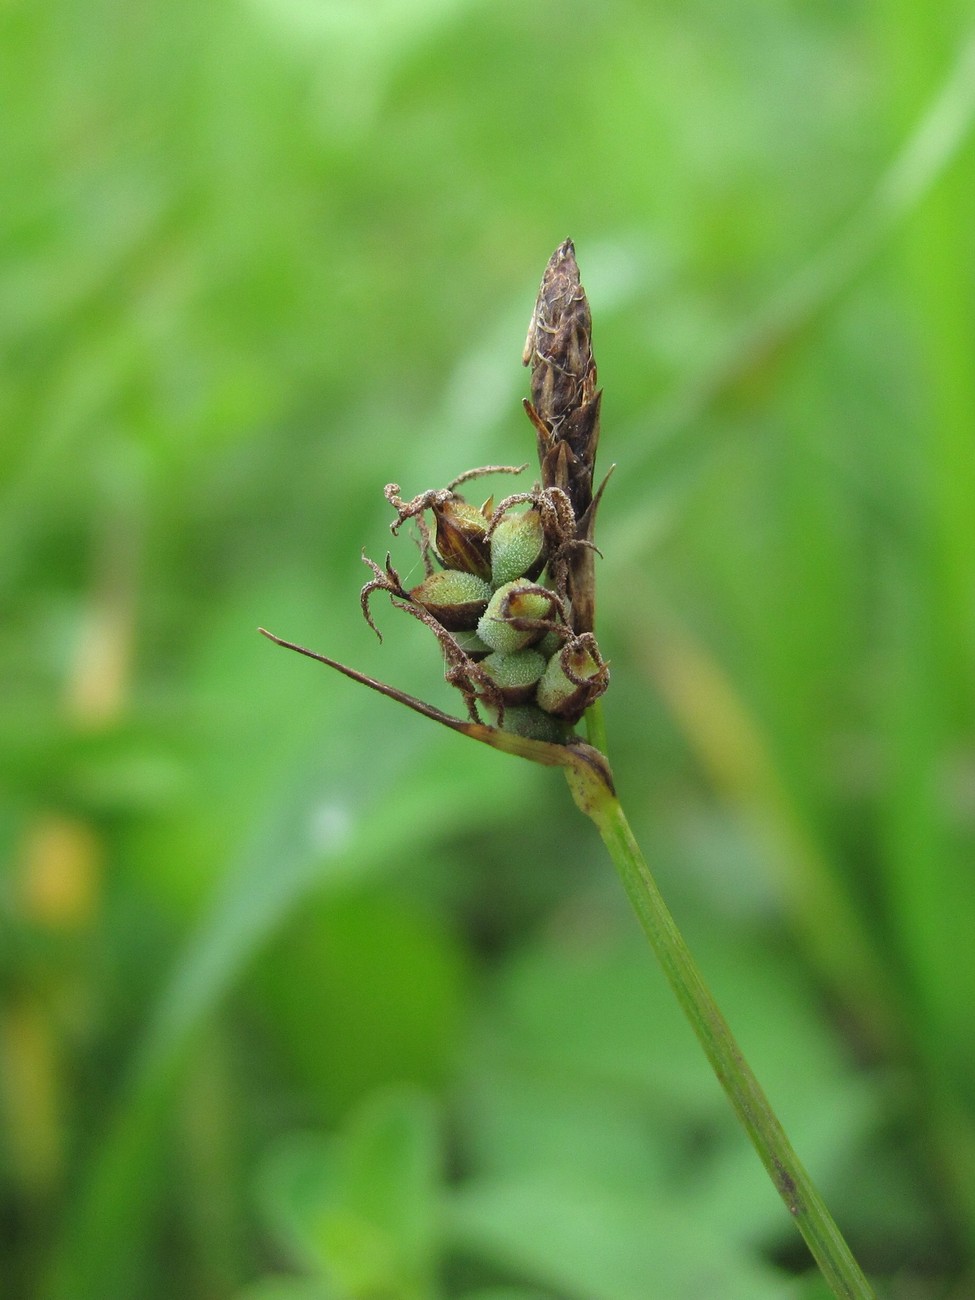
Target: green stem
{"points": [[752, 1107], [596, 726], [591, 783]]}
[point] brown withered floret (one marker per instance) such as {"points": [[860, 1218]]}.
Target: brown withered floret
{"points": [[462, 537]]}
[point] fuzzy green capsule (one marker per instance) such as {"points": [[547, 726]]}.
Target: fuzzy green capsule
{"points": [[455, 599], [515, 675], [550, 644], [517, 547], [528, 720], [471, 644], [511, 619], [564, 697]]}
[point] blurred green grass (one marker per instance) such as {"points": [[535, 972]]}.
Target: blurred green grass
{"points": [[290, 981]]}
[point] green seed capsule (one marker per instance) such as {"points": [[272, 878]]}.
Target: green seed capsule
{"points": [[471, 644], [517, 547], [515, 674], [528, 720], [558, 694], [550, 644], [511, 605], [455, 599]]}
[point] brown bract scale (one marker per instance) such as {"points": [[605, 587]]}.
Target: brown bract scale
{"points": [[462, 537]]}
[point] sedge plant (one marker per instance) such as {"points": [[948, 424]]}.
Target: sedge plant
{"points": [[509, 594]]}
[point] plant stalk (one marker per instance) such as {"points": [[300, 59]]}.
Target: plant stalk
{"points": [[743, 1090], [591, 783]]}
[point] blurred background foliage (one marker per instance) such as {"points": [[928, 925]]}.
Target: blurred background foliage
{"points": [[302, 997]]}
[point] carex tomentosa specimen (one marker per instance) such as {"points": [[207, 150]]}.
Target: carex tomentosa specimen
{"points": [[508, 588]]}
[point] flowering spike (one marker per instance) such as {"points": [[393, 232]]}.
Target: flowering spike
{"points": [[565, 411], [508, 593]]}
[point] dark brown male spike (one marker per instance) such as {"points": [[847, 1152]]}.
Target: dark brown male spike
{"points": [[565, 411]]}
